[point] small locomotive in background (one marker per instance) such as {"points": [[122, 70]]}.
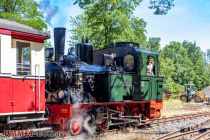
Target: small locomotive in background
{"points": [[96, 90]]}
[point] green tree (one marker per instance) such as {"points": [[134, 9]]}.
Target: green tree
{"points": [[208, 54], [23, 11], [108, 21], [161, 7], [153, 44], [47, 44], [187, 65], [208, 69]]}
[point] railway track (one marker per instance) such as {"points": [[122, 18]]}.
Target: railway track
{"points": [[195, 132], [156, 122], [198, 134], [175, 118], [161, 121]]}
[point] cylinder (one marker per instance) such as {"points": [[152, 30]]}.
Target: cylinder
{"points": [[59, 40]]}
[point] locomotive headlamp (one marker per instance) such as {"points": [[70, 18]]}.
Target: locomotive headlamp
{"points": [[61, 94], [49, 53]]}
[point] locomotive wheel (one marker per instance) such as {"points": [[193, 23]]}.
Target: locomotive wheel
{"points": [[135, 112], [74, 127], [125, 110], [103, 126], [183, 98]]}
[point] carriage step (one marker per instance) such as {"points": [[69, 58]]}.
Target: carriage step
{"points": [[26, 120], [41, 129]]}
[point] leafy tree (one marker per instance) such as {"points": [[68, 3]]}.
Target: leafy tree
{"points": [[183, 63], [153, 44], [23, 11], [161, 6], [208, 69], [107, 21], [167, 68], [47, 44], [79, 29], [208, 54], [111, 20], [171, 50]]}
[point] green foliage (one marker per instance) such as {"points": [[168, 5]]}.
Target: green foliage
{"points": [[161, 6], [108, 21], [153, 44], [47, 44], [105, 21], [183, 63], [208, 69], [23, 11], [208, 54]]}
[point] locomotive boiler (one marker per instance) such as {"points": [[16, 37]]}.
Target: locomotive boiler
{"points": [[106, 88], [69, 78]]}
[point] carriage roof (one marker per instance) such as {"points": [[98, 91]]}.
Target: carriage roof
{"points": [[14, 26]]}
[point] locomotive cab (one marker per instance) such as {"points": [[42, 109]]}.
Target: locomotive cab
{"points": [[128, 80]]}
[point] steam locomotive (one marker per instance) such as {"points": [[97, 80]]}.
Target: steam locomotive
{"points": [[82, 90], [96, 90]]}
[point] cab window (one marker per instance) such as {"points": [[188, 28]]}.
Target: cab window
{"points": [[129, 63], [150, 68]]}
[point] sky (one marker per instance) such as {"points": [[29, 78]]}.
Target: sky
{"points": [[187, 20]]}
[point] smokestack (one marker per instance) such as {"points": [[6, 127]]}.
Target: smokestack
{"points": [[59, 40]]}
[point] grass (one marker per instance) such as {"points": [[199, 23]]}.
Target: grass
{"points": [[176, 107]]}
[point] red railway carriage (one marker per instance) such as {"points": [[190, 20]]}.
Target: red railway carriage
{"points": [[22, 73]]}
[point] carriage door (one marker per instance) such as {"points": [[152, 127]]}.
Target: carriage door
{"points": [[23, 82]]}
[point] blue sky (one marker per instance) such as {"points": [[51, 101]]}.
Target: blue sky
{"points": [[187, 20]]}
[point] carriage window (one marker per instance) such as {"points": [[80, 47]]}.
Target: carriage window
{"points": [[128, 62], [23, 60]]}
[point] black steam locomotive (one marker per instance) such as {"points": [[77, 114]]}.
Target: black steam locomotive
{"points": [[71, 74], [113, 80]]}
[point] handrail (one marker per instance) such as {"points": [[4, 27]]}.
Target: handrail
{"points": [[37, 65]]}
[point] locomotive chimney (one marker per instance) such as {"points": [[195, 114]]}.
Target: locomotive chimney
{"points": [[59, 40]]}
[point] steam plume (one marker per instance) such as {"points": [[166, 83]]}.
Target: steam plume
{"points": [[49, 10]]}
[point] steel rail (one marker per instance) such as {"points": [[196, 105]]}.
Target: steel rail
{"points": [[175, 118]]}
